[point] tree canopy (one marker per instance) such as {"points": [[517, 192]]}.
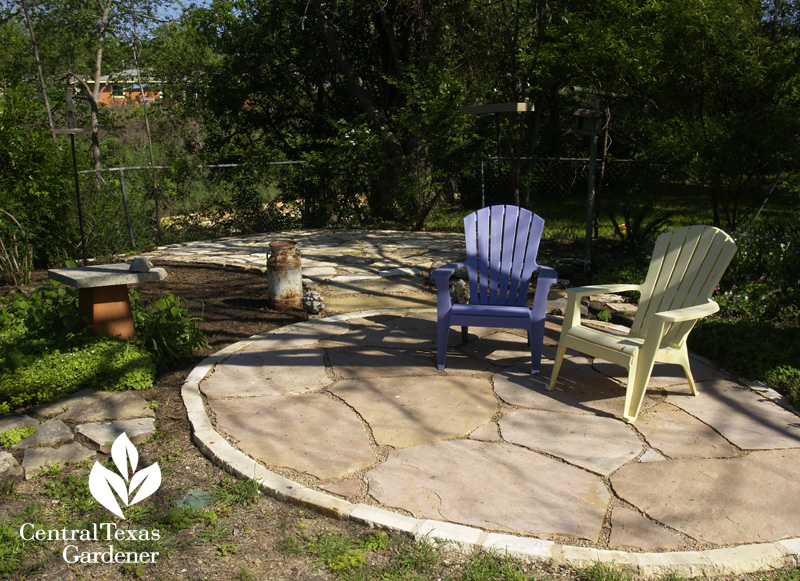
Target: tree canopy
{"points": [[370, 92]]}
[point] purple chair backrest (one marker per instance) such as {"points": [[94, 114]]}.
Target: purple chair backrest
{"points": [[502, 243]]}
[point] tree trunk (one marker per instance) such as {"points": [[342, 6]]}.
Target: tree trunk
{"points": [[35, 47]]}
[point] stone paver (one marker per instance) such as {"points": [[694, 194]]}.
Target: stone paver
{"points": [[10, 472], [38, 459], [405, 412], [364, 362], [346, 488], [299, 335], [599, 444], [14, 421], [579, 389], [664, 375], [725, 501], [741, 416], [50, 433], [463, 482], [103, 434], [349, 303], [501, 348], [631, 529], [277, 372], [678, 435], [88, 405], [487, 433], [417, 330], [448, 447], [479, 481], [308, 433]]}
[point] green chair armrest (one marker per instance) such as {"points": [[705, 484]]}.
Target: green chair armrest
{"points": [[689, 313], [601, 289]]}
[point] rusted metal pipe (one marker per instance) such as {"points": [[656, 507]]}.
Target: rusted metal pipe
{"points": [[284, 276]]}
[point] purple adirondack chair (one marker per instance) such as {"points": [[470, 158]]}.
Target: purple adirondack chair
{"points": [[502, 243]]}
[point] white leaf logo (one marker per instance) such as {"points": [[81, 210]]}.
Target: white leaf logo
{"points": [[103, 483]]}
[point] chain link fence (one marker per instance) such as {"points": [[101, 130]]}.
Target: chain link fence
{"points": [[129, 208], [559, 187]]}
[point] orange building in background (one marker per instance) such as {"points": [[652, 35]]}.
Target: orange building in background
{"points": [[122, 89]]}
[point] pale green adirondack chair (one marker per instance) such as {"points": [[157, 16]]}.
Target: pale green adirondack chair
{"points": [[685, 268]]}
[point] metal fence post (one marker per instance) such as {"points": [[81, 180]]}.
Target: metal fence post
{"points": [[127, 209]]}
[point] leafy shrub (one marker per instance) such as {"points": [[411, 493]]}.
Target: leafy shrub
{"points": [[46, 317], [165, 328], [758, 297], [45, 354], [35, 180], [107, 363], [761, 282], [785, 379]]}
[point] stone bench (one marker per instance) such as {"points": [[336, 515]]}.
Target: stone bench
{"points": [[103, 294]]}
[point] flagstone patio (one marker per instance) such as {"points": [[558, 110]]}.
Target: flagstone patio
{"points": [[349, 415], [355, 409]]}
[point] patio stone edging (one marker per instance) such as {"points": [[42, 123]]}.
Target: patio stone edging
{"points": [[741, 559]]}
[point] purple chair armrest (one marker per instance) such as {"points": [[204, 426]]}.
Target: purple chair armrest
{"points": [[441, 276], [547, 277]]}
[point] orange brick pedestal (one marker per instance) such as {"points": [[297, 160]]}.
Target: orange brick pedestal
{"points": [[107, 309]]}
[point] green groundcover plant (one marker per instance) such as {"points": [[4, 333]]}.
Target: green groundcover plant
{"points": [[46, 354]]}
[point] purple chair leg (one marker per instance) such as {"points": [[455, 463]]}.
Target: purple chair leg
{"points": [[536, 338], [442, 334]]}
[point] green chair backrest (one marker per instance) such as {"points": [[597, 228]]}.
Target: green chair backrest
{"points": [[686, 266]]}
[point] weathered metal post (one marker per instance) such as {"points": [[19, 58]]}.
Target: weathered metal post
{"points": [[284, 276]]}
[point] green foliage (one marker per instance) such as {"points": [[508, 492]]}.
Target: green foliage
{"points": [[783, 575], [245, 575], [604, 316], [487, 566], [46, 355], [621, 263], [15, 435], [337, 551], [16, 255], [12, 548], [638, 223], [108, 364], [227, 549], [71, 490], [758, 297], [376, 541], [47, 316], [34, 181], [236, 491], [181, 517], [415, 558], [761, 283], [786, 379], [606, 572], [165, 329]]}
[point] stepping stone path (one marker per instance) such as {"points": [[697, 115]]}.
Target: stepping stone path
{"points": [[72, 430]]}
